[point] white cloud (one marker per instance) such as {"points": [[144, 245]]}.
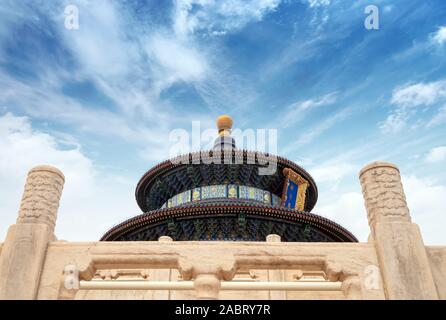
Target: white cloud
{"points": [[129, 64], [395, 122], [410, 97], [297, 111], [315, 130], [337, 181], [437, 154], [425, 200], [332, 173], [133, 62], [217, 17], [100, 44], [323, 101], [322, 126], [388, 8], [427, 207], [318, 3], [176, 61], [419, 94], [91, 202], [439, 118], [439, 36], [42, 101], [349, 211]]}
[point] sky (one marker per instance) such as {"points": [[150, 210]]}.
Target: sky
{"points": [[100, 101]]}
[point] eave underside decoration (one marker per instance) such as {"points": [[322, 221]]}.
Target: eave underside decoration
{"points": [[229, 228], [227, 216], [174, 176]]}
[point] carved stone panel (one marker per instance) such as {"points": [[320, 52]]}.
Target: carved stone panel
{"points": [[383, 193], [41, 196]]}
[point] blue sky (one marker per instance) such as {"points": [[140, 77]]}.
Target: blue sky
{"points": [[100, 102]]}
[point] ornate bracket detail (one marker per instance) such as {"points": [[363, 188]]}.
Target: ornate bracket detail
{"points": [[350, 278], [207, 273], [294, 190]]}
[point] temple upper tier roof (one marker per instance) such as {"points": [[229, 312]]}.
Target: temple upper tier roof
{"points": [[193, 170]]}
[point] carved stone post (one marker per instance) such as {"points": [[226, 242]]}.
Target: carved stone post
{"points": [[207, 286], [207, 270], [398, 242], [161, 275], [275, 275], [26, 243]]}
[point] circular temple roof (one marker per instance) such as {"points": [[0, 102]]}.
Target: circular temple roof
{"points": [[192, 170], [229, 219], [224, 218]]}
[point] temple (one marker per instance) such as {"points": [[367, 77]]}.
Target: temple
{"points": [[214, 226], [220, 194]]}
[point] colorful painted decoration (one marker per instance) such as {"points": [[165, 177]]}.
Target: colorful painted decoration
{"points": [[258, 194], [180, 199], [294, 190], [187, 196], [232, 191], [251, 193], [291, 195], [275, 200], [183, 197], [267, 197], [243, 192], [218, 191], [196, 194]]}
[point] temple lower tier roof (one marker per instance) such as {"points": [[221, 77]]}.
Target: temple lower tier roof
{"points": [[229, 219]]}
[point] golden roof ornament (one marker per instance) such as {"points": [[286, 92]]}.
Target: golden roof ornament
{"points": [[224, 125]]}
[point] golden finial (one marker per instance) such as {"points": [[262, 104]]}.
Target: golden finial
{"points": [[224, 125]]}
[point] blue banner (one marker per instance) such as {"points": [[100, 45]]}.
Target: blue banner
{"points": [[291, 194]]}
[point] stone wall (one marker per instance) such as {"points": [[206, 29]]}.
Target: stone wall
{"points": [[394, 264], [437, 260]]}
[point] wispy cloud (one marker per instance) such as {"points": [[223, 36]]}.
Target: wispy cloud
{"points": [[310, 104], [108, 95], [439, 37], [318, 3], [439, 118], [112, 194], [316, 130], [218, 17], [419, 94], [175, 61], [297, 111], [323, 126], [437, 154], [427, 206], [407, 98], [332, 173], [348, 209]]}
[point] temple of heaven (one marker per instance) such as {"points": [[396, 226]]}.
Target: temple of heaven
{"points": [[220, 194]]}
